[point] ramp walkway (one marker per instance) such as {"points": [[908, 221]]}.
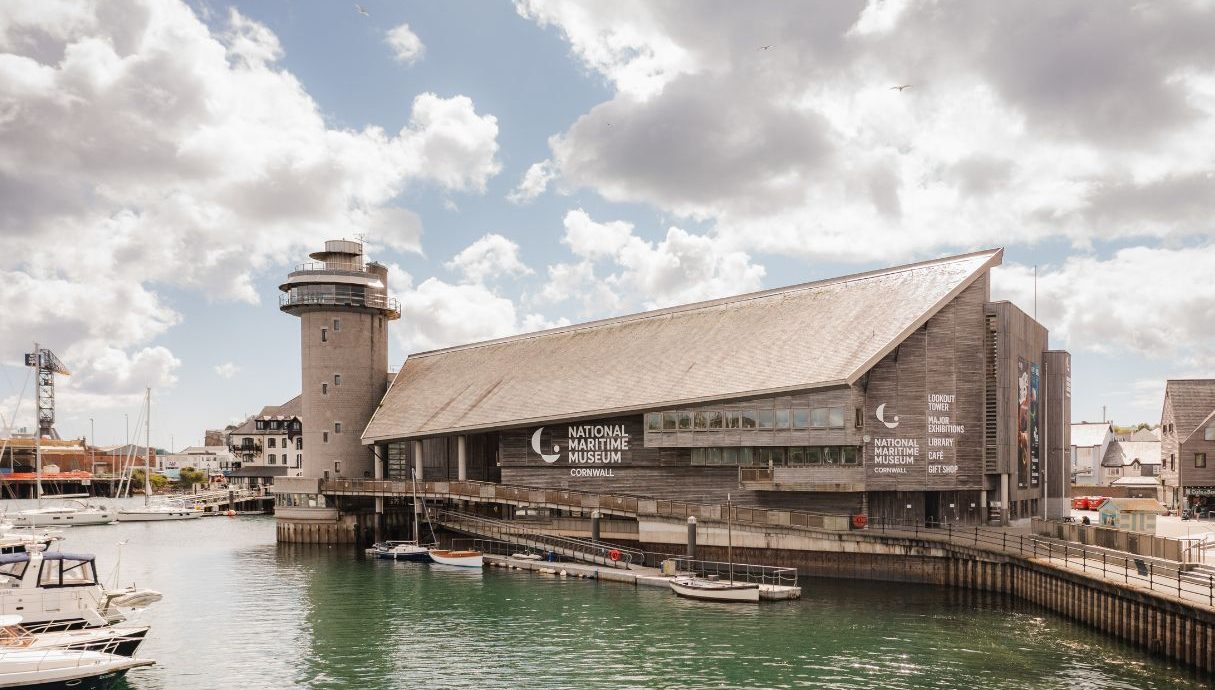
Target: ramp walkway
{"points": [[598, 553]]}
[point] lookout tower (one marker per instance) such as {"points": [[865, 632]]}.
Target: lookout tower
{"points": [[344, 310]]}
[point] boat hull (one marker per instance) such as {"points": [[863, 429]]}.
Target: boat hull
{"points": [[716, 591], [157, 515], [104, 681], [464, 559], [122, 642], [52, 670], [63, 520]]}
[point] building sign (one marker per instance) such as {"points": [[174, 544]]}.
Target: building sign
{"points": [[895, 455], [1200, 491], [591, 449], [943, 433], [1029, 440]]}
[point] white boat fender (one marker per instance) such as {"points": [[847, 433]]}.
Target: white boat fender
{"points": [[137, 599], [562, 573]]}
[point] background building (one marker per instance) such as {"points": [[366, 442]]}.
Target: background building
{"points": [[1187, 443], [903, 394], [1090, 442], [267, 445], [214, 460]]}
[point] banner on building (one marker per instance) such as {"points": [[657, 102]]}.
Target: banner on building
{"points": [[1029, 441]]}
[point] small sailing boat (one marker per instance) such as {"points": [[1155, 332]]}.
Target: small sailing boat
{"points": [[413, 550], [152, 512], [464, 559], [712, 588]]}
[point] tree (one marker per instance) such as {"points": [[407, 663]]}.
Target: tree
{"points": [[190, 476], [159, 481]]}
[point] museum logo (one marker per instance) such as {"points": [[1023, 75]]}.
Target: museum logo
{"points": [[540, 451], [880, 413]]}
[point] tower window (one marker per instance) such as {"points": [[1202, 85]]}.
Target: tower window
{"points": [[324, 335], [337, 325], [325, 437], [337, 467], [337, 427], [324, 388], [337, 379]]}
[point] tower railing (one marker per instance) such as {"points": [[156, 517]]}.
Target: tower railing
{"points": [[311, 266], [372, 300]]}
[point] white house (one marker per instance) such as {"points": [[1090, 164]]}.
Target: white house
{"points": [[1090, 442]]}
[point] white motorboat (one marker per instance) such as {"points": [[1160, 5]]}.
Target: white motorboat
{"points": [[52, 669], [72, 513], [121, 640], [157, 513], [710, 589], [464, 559], [20, 542], [60, 591]]}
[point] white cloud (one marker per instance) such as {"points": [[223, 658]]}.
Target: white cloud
{"points": [[406, 46], [226, 370], [802, 149], [1158, 303], [534, 183], [439, 314], [489, 257], [138, 149], [682, 267]]}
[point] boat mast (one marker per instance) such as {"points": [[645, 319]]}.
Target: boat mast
{"points": [[147, 458], [414, 490], [37, 429], [730, 536]]}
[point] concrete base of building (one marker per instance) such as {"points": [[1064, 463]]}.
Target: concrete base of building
{"points": [[327, 527]]}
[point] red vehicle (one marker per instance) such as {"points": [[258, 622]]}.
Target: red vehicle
{"points": [[1095, 502], [1080, 503]]}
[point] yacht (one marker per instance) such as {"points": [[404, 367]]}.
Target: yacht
{"points": [[121, 640], [149, 512], [60, 591], [71, 513], [712, 589], [55, 669], [401, 551]]}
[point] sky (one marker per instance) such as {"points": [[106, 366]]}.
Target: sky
{"points": [[522, 165]]}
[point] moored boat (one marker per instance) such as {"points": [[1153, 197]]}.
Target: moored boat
{"points": [[60, 591], [73, 513], [709, 589], [157, 513], [401, 551], [56, 669], [123, 640], [465, 559]]}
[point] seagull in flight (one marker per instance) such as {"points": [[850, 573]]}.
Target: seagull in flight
{"points": [[900, 87], [362, 10], [765, 47]]}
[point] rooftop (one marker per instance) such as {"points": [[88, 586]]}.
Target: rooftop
{"points": [[813, 335], [1193, 403], [1087, 434]]}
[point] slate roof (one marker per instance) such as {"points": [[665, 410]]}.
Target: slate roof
{"points": [[1193, 402], [813, 335], [1124, 453], [288, 410], [1085, 435]]}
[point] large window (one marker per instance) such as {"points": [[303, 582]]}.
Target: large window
{"points": [[1200, 459], [1209, 434], [653, 421], [733, 419], [801, 418], [748, 419], [699, 420], [685, 419], [777, 456], [669, 421], [782, 418], [714, 417], [765, 419]]}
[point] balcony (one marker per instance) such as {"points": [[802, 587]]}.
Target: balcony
{"points": [[318, 266], [370, 301], [245, 449]]}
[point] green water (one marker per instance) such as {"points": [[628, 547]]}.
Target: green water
{"points": [[242, 612]]}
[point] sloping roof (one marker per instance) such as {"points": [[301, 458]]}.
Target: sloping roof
{"points": [[1125, 453], [1137, 504], [1136, 481], [1193, 401], [292, 408], [794, 338], [1085, 434]]}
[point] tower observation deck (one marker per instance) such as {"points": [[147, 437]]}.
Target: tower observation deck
{"points": [[343, 304]]}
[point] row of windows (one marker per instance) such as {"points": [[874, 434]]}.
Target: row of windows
{"points": [[779, 418], [272, 459], [299, 443], [263, 424], [777, 456]]}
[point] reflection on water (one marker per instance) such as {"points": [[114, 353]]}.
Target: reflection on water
{"points": [[242, 612]]}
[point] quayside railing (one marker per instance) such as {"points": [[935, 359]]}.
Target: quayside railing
{"points": [[598, 552], [1158, 575]]}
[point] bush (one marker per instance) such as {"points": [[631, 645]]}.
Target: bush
{"points": [[190, 476], [159, 482]]}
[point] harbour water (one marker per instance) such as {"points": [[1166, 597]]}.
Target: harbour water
{"points": [[241, 611]]}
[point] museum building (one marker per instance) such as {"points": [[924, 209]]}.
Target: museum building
{"points": [[903, 393]]}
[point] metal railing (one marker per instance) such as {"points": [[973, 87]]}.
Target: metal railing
{"points": [[371, 300], [314, 266], [739, 572], [601, 553], [1158, 575]]}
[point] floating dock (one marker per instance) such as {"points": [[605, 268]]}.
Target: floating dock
{"points": [[641, 576]]}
